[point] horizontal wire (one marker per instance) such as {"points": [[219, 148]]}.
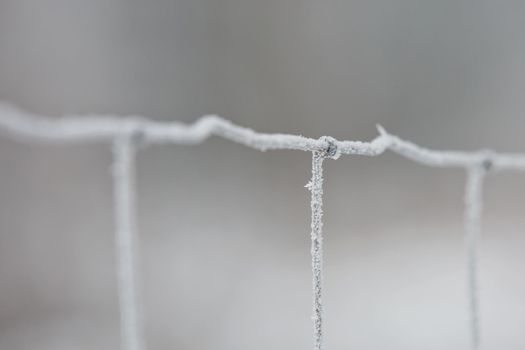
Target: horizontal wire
{"points": [[21, 124]]}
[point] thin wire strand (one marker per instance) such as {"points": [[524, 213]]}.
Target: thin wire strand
{"points": [[23, 125], [125, 237], [316, 189], [473, 210]]}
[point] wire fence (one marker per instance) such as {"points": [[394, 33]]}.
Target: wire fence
{"points": [[126, 133]]}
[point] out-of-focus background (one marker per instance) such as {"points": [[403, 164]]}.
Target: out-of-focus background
{"points": [[224, 229]]}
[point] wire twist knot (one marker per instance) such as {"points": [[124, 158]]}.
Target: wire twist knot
{"points": [[332, 149], [486, 161]]}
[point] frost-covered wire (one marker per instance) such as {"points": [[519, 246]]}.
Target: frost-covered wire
{"points": [[315, 186], [473, 209], [125, 237], [123, 132], [24, 125]]}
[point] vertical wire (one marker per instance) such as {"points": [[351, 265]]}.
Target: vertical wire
{"points": [[316, 188], [473, 209], [125, 236]]}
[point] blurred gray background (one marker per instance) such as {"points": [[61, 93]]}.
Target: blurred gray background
{"points": [[224, 230]]}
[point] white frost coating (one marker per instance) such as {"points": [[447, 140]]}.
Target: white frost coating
{"points": [[473, 208], [418, 154], [316, 188], [122, 132], [24, 125], [125, 226]]}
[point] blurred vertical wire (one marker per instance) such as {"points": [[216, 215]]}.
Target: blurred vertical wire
{"points": [[473, 209], [126, 235]]}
